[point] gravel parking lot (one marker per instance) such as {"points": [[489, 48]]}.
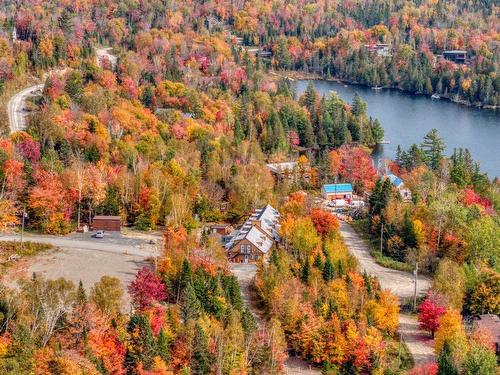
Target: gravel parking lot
{"points": [[82, 257]]}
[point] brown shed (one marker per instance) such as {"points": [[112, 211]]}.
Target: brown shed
{"points": [[109, 223]]}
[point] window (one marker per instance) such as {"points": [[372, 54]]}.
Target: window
{"points": [[242, 248], [249, 249]]}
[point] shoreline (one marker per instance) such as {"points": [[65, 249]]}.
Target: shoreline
{"points": [[303, 76]]}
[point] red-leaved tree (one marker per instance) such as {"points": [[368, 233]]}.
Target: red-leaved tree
{"points": [[324, 222], [146, 289], [429, 314]]}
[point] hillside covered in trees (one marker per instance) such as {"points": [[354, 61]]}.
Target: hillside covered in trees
{"points": [[184, 125]]}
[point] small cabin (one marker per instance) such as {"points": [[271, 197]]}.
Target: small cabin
{"points": [[399, 184], [333, 192], [107, 223], [458, 57]]}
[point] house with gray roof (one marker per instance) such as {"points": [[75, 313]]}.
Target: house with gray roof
{"points": [[255, 238]]}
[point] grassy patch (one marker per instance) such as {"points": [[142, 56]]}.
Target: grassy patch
{"points": [[10, 251], [384, 261], [399, 357]]}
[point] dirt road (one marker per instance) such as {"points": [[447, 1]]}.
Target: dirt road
{"points": [[16, 108], [400, 283], [245, 274]]}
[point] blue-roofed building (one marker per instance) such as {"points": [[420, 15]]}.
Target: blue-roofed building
{"points": [[399, 184], [337, 191]]}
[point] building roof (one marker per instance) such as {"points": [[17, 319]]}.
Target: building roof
{"points": [[281, 167], [395, 180], [105, 217], [455, 51], [337, 188], [489, 323], [261, 237]]}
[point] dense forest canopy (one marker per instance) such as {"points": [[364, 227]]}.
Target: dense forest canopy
{"points": [[177, 134]]}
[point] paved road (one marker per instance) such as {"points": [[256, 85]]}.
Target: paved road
{"points": [[402, 285], [245, 274], [16, 108]]}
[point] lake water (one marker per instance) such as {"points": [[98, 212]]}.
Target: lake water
{"points": [[407, 118]]}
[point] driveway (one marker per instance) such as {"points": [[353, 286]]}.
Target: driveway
{"points": [[245, 274], [402, 284]]}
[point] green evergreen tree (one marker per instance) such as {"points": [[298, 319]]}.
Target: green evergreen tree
{"points": [[201, 358], [446, 365], [305, 273], [358, 106], [163, 346], [81, 294], [318, 263], [328, 271], [142, 347], [433, 147], [74, 86], [191, 306]]}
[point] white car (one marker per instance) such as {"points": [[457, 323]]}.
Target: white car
{"points": [[338, 203], [99, 234]]}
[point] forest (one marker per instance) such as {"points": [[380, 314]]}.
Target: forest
{"points": [[185, 123]]}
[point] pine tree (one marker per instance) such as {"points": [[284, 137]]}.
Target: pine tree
{"points": [[328, 271], [190, 307], [142, 347], [358, 106], [446, 366], [163, 346], [318, 263], [305, 272], [201, 357], [433, 147], [81, 295], [74, 86]]}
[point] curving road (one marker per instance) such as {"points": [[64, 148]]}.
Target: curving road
{"points": [[16, 108], [402, 284]]}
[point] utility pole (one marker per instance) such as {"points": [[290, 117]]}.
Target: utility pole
{"points": [[415, 289], [22, 227], [382, 239]]}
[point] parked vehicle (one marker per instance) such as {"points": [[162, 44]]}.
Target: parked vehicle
{"points": [[338, 203], [357, 204], [99, 234]]}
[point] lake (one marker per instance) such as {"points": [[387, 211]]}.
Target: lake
{"points": [[407, 118]]}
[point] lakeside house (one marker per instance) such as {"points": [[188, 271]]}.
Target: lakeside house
{"points": [[255, 238], [381, 49], [289, 171], [400, 186], [333, 192]]}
